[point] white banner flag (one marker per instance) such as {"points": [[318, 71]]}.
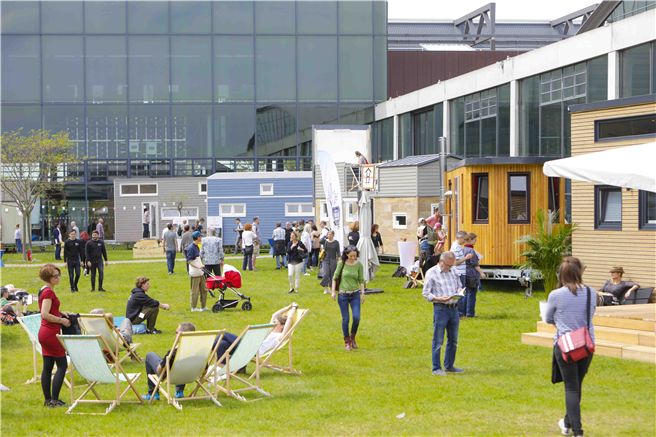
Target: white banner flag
{"points": [[333, 193]]}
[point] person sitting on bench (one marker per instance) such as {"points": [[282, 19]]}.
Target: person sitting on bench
{"points": [[142, 307], [615, 290]]}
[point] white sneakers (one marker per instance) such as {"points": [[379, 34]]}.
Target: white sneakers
{"points": [[200, 310], [563, 429], [193, 310], [306, 274], [326, 292], [205, 309]]}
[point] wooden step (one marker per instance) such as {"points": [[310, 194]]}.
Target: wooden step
{"points": [[624, 323], [605, 348], [629, 337]]}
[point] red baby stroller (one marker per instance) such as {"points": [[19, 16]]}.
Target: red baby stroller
{"points": [[231, 280]]}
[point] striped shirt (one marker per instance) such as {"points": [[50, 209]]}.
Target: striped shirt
{"points": [[568, 312], [278, 234], [460, 254], [440, 283]]}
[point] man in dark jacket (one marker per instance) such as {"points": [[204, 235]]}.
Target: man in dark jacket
{"points": [[57, 240], [73, 254], [94, 252], [143, 307]]}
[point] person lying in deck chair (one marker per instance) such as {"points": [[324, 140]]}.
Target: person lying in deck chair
{"points": [[155, 364], [125, 328]]}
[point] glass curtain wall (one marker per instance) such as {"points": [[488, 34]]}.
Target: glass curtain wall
{"points": [[544, 100], [638, 70], [384, 150]]}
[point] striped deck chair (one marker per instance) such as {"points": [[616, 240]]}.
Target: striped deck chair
{"points": [[285, 341], [98, 324], [31, 325], [194, 351], [242, 351], [88, 358]]}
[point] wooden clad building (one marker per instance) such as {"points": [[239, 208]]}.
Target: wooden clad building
{"points": [[497, 199], [617, 225]]}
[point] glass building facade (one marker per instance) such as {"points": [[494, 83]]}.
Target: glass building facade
{"points": [[171, 89]]}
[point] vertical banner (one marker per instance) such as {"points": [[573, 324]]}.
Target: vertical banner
{"points": [[333, 192]]}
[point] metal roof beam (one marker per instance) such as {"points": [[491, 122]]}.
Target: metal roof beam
{"points": [[485, 14], [568, 20]]}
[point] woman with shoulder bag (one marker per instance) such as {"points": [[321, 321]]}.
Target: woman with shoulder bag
{"points": [[297, 252], [348, 281], [571, 308], [474, 273], [248, 238], [331, 247]]}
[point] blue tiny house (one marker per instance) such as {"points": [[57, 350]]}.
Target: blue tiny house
{"points": [[274, 197]]}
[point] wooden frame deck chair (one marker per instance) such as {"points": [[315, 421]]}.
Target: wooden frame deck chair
{"points": [[88, 358], [98, 324], [31, 325], [242, 351], [194, 353], [285, 341]]}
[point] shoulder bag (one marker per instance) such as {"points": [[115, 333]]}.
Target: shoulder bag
{"points": [[577, 344], [339, 278]]}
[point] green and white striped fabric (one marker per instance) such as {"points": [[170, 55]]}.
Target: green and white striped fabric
{"points": [[33, 324], [89, 359], [248, 346]]}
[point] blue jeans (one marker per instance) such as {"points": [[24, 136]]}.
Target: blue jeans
{"points": [[248, 262], [462, 309], [58, 251], [469, 304], [427, 247], [152, 361], [170, 260], [445, 318], [344, 300], [226, 342], [305, 261], [284, 260], [19, 245], [73, 273]]}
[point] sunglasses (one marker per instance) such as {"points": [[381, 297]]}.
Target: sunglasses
{"points": [[57, 276], [351, 248]]}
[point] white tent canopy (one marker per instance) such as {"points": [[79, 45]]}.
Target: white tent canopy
{"points": [[368, 255], [628, 167]]}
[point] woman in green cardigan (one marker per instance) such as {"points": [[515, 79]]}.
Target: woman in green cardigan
{"points": [[350, 275]]}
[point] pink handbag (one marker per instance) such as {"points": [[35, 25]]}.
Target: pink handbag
{"points": [[576, 345]]}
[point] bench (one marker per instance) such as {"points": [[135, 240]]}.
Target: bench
{"points": [[640, 296], [389, 259]]}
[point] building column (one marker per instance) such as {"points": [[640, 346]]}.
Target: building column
{"points": [[395, 139], [446, 124], [514, 118], [613, 75]]}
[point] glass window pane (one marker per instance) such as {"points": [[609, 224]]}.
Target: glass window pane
{"points": [[16, 117], [317, 17], [309, 115], [233, 17], [192, 131], [191, 68], [550, 134], [148, 17], [305, 164], [149, 131], [225, 165], [117, 170], [233, 69], [650, 205], [356, 68], [62, 69], [243, 165], [149, 69], [276, 68], [385, 140], [61, 17], [282, 164], [518, 198], [598, 79], [356, 17], [276, 130], [191, 17], [529, 116], [234, 130], [160, 168], [504, 121], [356, 114], [107, 128], [106, 69], [481, 197], [489, 136], [635, 71], [20, 69], [317, 68], [473, 138], [104, 17], [380, 67], [275, 17], [69, 119], [458, 126], [20, 17], [613, 207]]}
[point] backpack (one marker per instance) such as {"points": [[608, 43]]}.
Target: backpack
{"points": [[431, 235], [179, 231]]}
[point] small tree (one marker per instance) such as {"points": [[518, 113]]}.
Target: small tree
{"points": [[179, 200], [546, 248], [32, 167]]}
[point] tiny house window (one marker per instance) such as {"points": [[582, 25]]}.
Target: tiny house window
{"points": [[129, 190], [519, 202], [266, 189], [481, 201], [643, 126], [323, 206], [349, 211], [400, 221], [647, 210], [138, 189], [202, 188], [298, 209], [608, 207], [554, 196], [232, 209]]}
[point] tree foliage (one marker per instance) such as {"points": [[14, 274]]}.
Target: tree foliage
{"points": [[179, 200], [34, 165], [546, 248]]}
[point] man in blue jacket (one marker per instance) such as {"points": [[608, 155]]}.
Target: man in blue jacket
{"points": [[143, 307]]}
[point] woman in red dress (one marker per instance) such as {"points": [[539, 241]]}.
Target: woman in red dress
{"points": [[53, 350]]}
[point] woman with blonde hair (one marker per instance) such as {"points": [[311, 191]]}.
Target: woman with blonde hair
{"points": [[248, 238], [294, 261], [354, 235], [306, 239]]}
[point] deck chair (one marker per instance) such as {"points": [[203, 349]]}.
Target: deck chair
{"points": [[88, 358], [98, 324], [31, 325], [285, 341], [242, 351], [194, 353]]}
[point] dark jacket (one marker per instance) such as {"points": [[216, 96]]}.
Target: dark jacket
{"points": [[137, 301], [292, 254], [95, 251], [74, 250]]}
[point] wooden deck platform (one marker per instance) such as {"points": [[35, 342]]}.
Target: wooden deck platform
{"points": [[626, 332]]}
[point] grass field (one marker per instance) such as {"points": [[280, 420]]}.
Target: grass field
{"points": [[506, 389]]}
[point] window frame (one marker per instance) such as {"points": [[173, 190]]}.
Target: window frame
{"points": [[323, 204], [600, 208], [264, 192], [395, 224], [200, 188], [172, 208], [553, 196], [528, 198], [475, 193], [300, 212], [232, 210], [620, 119], [139, 194], [349, 216], [643, 222]]}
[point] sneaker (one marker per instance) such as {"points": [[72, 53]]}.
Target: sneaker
{"points": [[306, 274], [205, 309], [454, 370], [326, 292], [563, 429], [439, 372], [291, 291], [153, 331], [148, 396], [169, 273], [295, 291], [193, 310], [179, 394]]}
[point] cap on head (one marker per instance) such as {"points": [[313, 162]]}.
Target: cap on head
{"points": [[196, 234], [421, 220]]}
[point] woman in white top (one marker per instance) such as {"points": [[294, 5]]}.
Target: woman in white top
{"points": [[306, 239], [283, 319], [248, 237]]}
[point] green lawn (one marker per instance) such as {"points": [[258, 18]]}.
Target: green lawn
{"points": [[506, 389]]}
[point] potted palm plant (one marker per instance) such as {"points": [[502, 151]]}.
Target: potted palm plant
{"points": [[545, 249]]}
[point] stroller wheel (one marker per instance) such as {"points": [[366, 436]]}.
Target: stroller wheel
{"points": [[217, 307], [247, 306]]}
